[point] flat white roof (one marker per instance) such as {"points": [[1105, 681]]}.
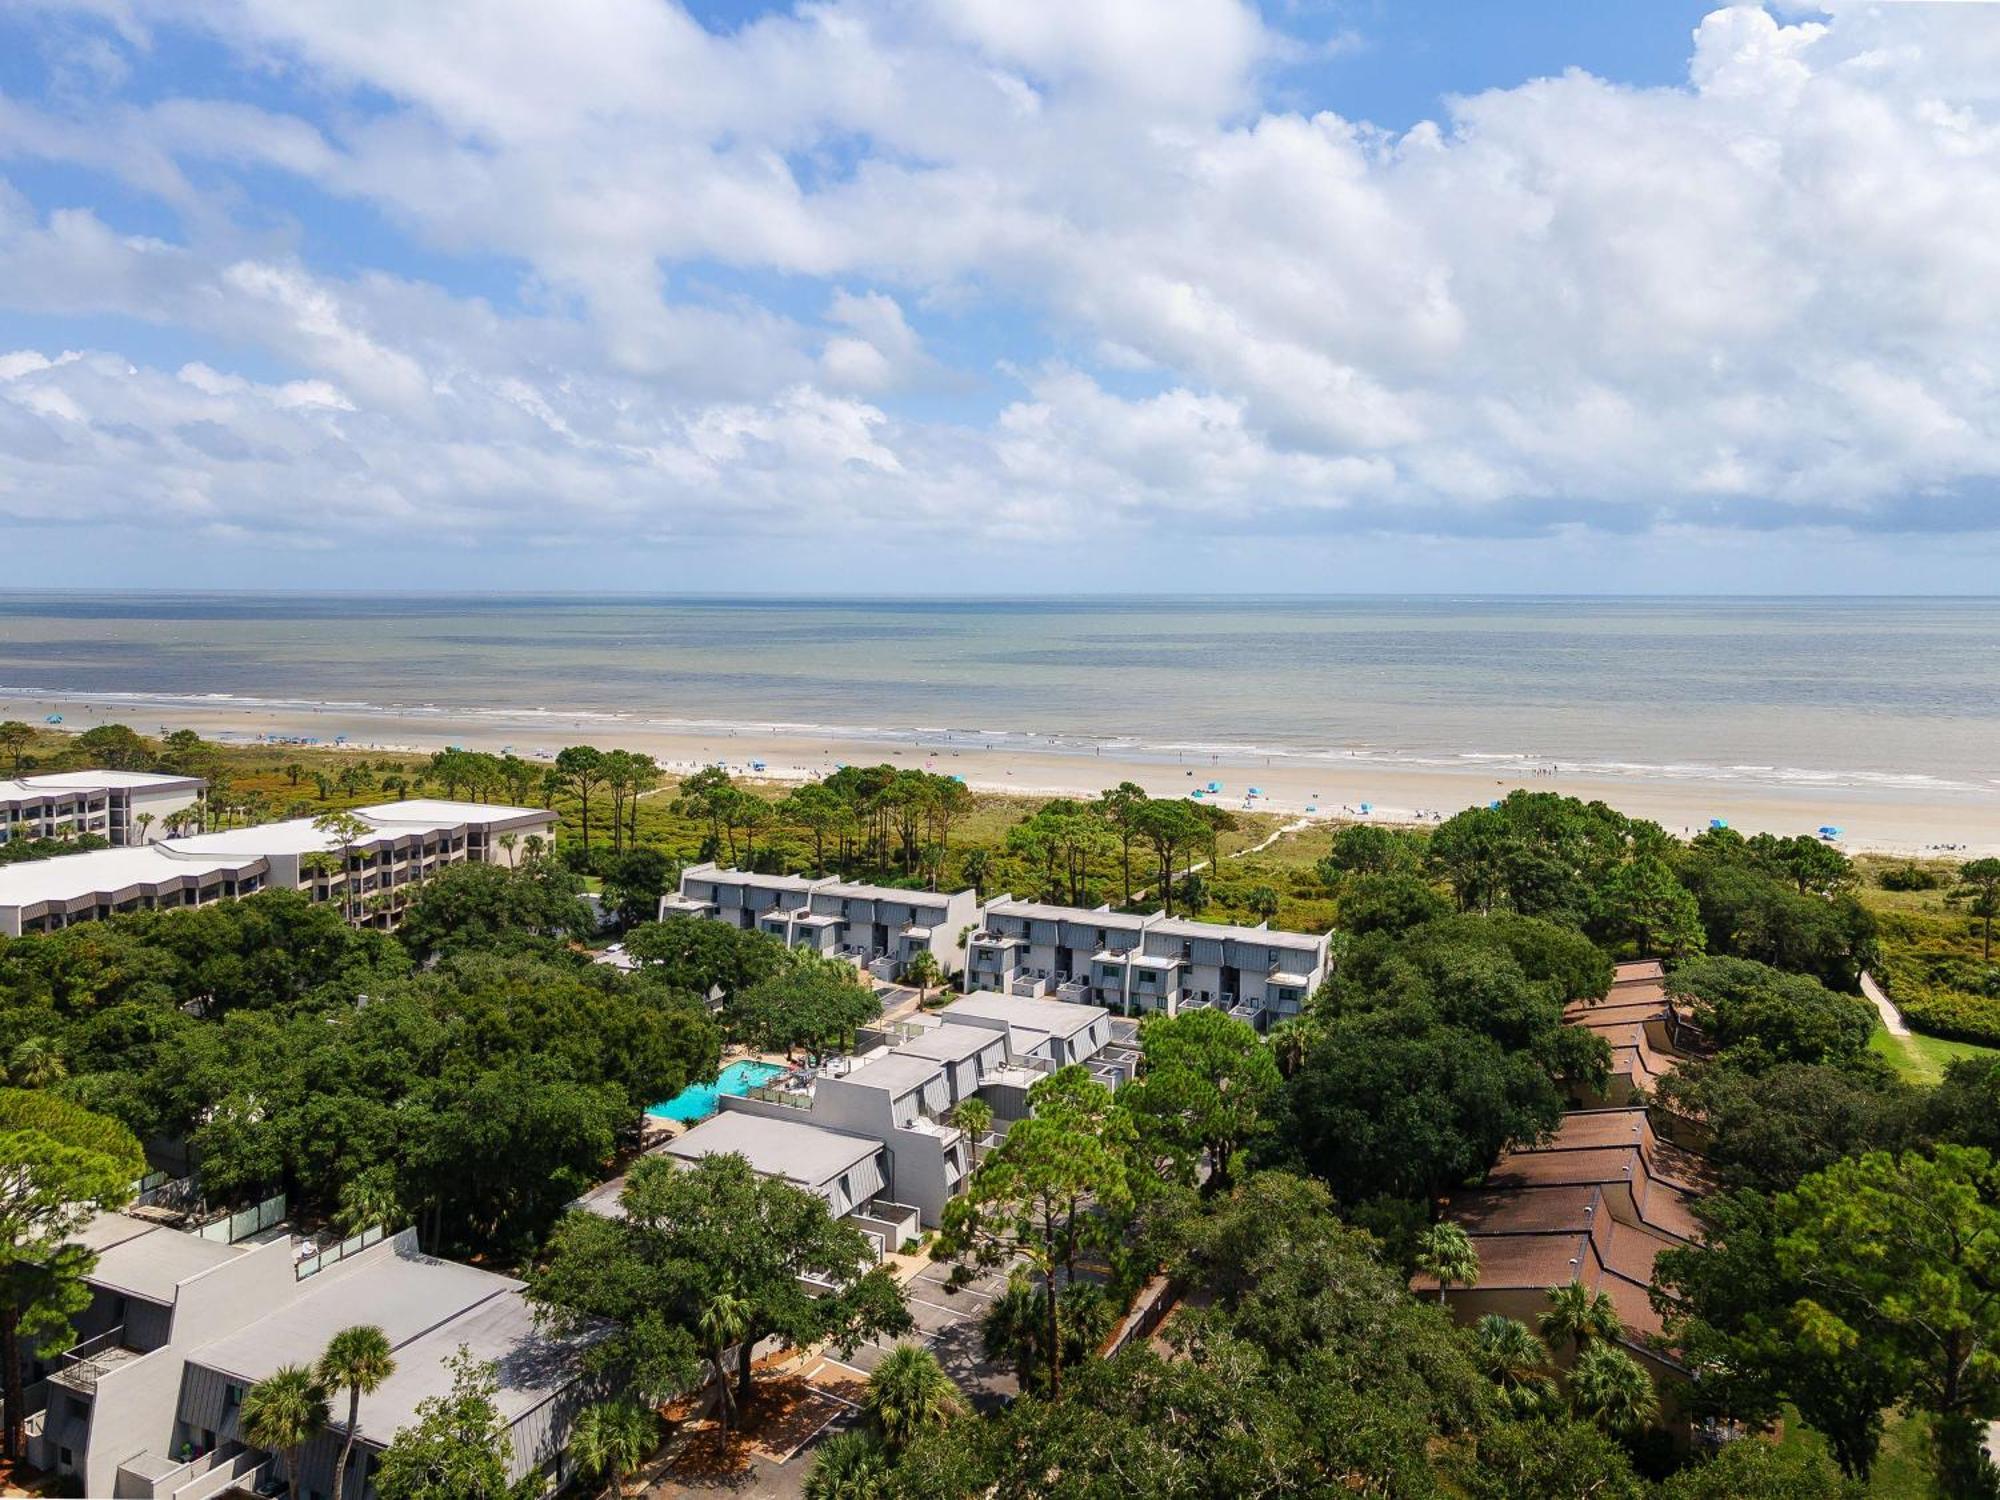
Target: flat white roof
{"points": [[950, 1043], [89, 780], [1061, 1018], [1124, 921], [1180, 927], [895, 1074], [807, 1154], [387, 820], [722, 876], [65, 877], [857, 891]]}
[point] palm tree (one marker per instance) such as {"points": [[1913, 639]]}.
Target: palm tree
{"points": [[723, 1320], [1516, 1361], [923, 971], [974, 869], [36, 1064], [974, 1116], [848, 1466], [1445, 1252], [1577, 1315], [1609, 1388], [145, 821], [357, 1360], [282, 1413], [909, 1395], [1263, 902], [611, 1438]]}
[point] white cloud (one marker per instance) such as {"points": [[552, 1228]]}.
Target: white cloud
{"points": [[1769, 297]]}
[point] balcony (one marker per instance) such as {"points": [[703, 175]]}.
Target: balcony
{"points": [[83, 1366]]}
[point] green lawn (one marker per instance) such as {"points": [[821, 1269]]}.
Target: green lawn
{"points": [[1923, 1059], [1902, 1468]]}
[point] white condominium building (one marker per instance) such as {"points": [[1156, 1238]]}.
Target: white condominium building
{"points": [[403, 843], [126, 807]]}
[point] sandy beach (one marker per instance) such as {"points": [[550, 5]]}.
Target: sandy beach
{"points": [[1874, 818]]}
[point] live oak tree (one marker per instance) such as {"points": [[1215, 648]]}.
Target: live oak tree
{"points": [[811, 1002], [1054, 1186], [1759, 1017], [688, 1231], [59, 1165], [706, 958]]}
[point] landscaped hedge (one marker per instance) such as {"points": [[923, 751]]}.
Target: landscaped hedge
{"points": [[1954, 1014]]}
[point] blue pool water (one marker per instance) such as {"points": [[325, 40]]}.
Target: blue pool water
{"points": [[700, 1100]]}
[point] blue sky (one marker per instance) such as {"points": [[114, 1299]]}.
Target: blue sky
{"points": [[1001, 296]]}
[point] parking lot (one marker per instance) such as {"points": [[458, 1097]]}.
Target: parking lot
{"points": [[947, 1323]]}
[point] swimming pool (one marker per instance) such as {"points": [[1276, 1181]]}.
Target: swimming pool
{"points": [[700, 1100]]}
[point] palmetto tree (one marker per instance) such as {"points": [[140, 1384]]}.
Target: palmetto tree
{"points": [[923, 971], [848, 1466], [1609, 1387], [145, 821], [974, 1116], [722, 1322], [611, 1438], [357, 1360], [1445, 1252], [1516, 1361], [282, 1413], [1577, 1315], [908, 1395]]}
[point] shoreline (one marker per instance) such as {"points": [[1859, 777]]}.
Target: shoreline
{"points": [[1924, 817]]}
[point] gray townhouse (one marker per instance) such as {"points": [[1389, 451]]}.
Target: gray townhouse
{"points": [[147, 1403], [878, 927], [405, 843], [1255, 973], [1031, 948], [124, 807], [1144, 963]]}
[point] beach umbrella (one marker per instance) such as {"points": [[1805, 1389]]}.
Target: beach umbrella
{"points": [[1197, 793], [1215, 786], [1718, 822], [1255, 792], [1366, 807], [756, 765], [1494, 804], [53, 719], [1828, 831], [1312, 807], [958, 778]]}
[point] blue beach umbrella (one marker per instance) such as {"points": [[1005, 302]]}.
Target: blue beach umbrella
{"points": [[1256, 792], [1828, 831], [1718, 822], [958, 778], [1215, 786], [1494, 804], [1367, 807], [53, 719], [756, 765], [1312, 807], [1197, 794]]}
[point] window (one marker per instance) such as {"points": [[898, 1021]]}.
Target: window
{"points": [[232, 1396]]}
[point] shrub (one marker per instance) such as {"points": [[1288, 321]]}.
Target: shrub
{"points": [[1911, 876]]}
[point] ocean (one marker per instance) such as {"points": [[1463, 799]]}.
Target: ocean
{"points": [[1780, 691]]}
